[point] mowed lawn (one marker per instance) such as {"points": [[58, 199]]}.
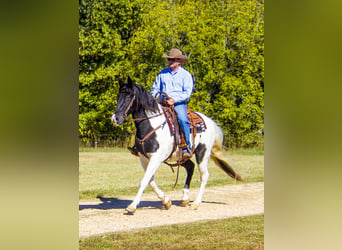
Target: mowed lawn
{"points": [[234, 233], [113, 172]]}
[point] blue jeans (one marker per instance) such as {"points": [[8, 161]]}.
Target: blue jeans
{"points": [[182, 115]]}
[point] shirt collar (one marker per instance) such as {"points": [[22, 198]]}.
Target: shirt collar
{"points": [[175, 72]]}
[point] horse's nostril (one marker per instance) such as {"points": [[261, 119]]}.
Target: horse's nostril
{"points": [[114, 120]]}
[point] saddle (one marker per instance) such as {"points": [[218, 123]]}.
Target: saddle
{"points": [[197, 125]]}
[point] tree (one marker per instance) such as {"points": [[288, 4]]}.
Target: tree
{"points": [[105, 27], [224, 40]]}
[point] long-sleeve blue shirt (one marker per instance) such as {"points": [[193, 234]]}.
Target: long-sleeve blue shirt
{"points": [[177, 84]]}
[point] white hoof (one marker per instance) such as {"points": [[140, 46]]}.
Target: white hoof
{"points": [[167, 205], [130, 210], [185, 203], [194, 206]]}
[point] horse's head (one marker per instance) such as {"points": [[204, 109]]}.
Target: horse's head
{"points": [[125, 100]]}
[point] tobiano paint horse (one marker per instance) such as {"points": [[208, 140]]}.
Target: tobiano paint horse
{"points": [[158, 143]]}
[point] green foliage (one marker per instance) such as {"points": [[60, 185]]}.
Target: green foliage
{"points": [[223, 39], [105, 27]]}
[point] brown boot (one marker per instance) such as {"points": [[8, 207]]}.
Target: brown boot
{"points": [[186, 154]]}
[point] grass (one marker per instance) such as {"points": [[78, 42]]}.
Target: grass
{"points": [[234, 233], [114, 172]]}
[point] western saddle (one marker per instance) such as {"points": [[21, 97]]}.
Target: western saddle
{"points": [[197, 125]]}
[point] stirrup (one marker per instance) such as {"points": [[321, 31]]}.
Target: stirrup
{"points": [[187, 154], [133, 150]]}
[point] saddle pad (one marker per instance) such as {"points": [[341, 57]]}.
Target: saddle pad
{"points": [[197, 124], [196, 121]]}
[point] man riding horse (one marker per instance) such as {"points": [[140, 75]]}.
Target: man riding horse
{"points": [[177, 83], [156, 143]]}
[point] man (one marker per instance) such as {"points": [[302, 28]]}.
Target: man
{"points": [[178, 84]]}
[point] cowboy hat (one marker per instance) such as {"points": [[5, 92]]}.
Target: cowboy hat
{"points": [[176, 54]]}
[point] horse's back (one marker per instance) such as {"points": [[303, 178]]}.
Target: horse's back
{"points": [[209, 135]]}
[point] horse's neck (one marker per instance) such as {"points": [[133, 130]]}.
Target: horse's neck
{"points": [[150, 114], [144, 117], [147, 121], [147, 114]]}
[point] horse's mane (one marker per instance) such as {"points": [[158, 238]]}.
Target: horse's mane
{"points": [[145, 99]]}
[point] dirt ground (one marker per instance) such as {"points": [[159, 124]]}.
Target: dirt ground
{"points": [[108, 214]]}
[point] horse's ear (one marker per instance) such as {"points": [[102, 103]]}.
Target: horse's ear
{"points": [[120, 81], [130, 82]]}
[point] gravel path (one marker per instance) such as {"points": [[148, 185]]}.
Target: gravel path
{"points": [[108, 214]]}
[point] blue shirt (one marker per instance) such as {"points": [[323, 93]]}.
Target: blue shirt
{"points": [[177, 84]]}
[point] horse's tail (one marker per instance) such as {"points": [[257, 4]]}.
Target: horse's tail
{"points": [[217, 155]]}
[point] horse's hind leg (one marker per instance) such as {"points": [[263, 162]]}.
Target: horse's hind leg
{"points": [[189, 166], [202, 158]]}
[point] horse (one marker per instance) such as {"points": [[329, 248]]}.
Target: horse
{"points": [[156, 144]]}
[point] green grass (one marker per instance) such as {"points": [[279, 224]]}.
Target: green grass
{"points": [[112, 172], [234, 233]]}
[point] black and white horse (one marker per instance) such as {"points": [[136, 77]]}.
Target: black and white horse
{"points": [[155, 143]]}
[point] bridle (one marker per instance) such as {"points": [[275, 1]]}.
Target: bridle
{"points": [[129, 106], [138, 119], [141, 119]]}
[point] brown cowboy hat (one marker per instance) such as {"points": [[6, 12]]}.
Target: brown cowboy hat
{"points": [[176, 54]]}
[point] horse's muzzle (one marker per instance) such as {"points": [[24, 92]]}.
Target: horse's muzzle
{"points": [[117, 119], [114, 120]]}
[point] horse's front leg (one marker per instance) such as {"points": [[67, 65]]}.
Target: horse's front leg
{"points": [[152, 167], [165, 200]]}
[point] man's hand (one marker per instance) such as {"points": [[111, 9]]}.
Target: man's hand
{"points": [[170, 101]]}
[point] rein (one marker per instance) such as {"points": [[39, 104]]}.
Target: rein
{"points": [[143, 118], [141, 141], [129, 106]]}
